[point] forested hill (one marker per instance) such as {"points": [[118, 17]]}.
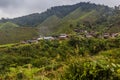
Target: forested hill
{"points": [[66, 18], [59, 11]]}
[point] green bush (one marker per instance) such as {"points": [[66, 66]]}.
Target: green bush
{"points": [[88, 70]]}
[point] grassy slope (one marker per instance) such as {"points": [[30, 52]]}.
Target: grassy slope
{"points": [[49, 25], [11, 33], [115, 22], [55, 25], [82, 16], [8, 25], [62, 26]]}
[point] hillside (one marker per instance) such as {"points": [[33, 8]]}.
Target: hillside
{"points": [[87, 16], [37, 18], [90, 18], [49, 25], [12, 33], [64, 19], [8, 25], [59, 11]]}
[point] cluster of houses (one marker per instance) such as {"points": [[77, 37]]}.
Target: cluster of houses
{"points": [[83, 33], [91, 34], [36, 40], [110, 35]]}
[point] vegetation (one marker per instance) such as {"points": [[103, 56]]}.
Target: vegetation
{"points": [[57, 19], [73, 59], [12, 33]]}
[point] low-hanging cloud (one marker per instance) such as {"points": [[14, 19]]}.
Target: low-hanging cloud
{"points": [[15, 8]]}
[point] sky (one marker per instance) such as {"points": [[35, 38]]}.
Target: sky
{"points": [[17, 8]]}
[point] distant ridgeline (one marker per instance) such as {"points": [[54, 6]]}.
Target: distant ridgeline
{"points": [[59, 11], [64, 19]]}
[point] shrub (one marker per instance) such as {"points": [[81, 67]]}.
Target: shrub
{"points": [[88, 70]]}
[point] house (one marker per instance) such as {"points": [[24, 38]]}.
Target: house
{"points": [[32, 41], [23, 42], [48, 38], [41, 38], [114, 35], [63, 36], [79, 30], [106, 35], [88, 36], [45, 38]]}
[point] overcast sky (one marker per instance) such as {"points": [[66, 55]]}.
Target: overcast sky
{"points": [[16, 8]]}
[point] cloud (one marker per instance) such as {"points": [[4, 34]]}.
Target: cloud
{"points": [[10, 3], [15, 8]]}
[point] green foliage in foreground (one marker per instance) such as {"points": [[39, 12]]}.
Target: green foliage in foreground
{"points": [[73, 59], [95, 68], [16, 34]]}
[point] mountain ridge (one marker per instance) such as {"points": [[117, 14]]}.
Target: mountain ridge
{"points": [[64, 19], [59, 11]]}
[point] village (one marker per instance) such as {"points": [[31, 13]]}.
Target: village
{"points": [[95, 34], [81, 33], [36, 40]]}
